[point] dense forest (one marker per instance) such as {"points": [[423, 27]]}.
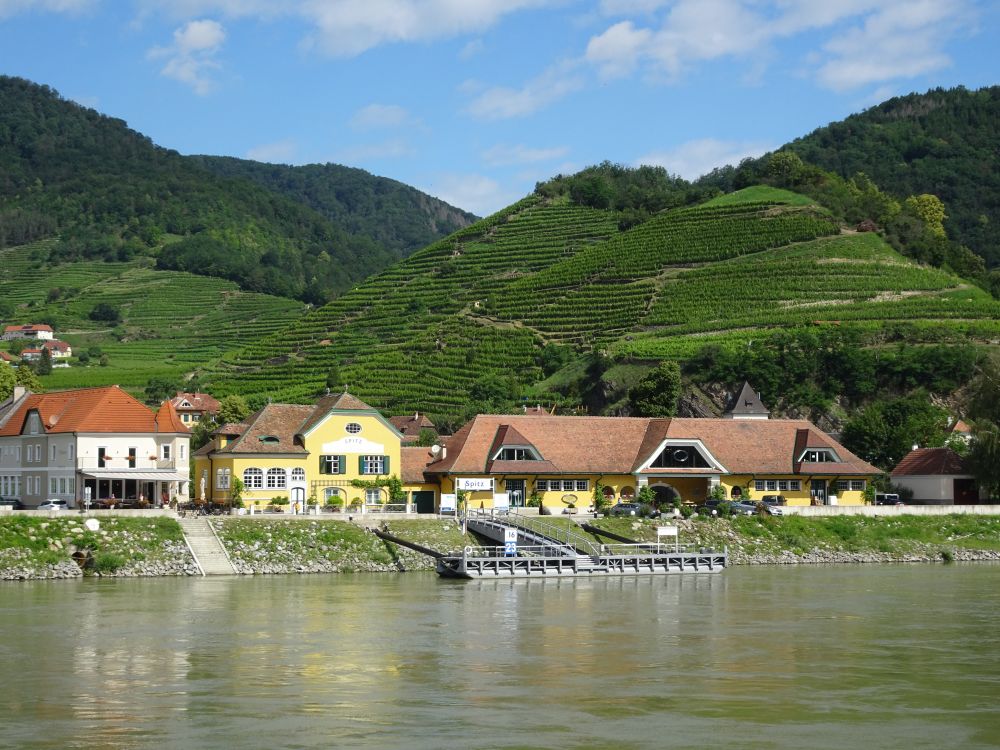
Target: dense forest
{"points": [[111, 194], [944, 142], [397, 216]]}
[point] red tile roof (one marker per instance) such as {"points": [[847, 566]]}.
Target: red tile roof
{"points": [[414, 459], [961, 428], [200, 402], [621, 445], [30, 327], [108, 409], [930, 462]]}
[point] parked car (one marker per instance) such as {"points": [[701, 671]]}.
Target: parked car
{"points": [[624, 509], [11, 502], [773, 504], [53, 505], [887, 498], [734, 507]]}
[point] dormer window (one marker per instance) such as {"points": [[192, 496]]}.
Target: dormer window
{"points": [[680, 457], [269, 439], [516, 453], [818, 456]]}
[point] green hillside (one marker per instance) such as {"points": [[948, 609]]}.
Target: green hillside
{"points": [[109, 194], [171, 323], [481, 319], [943, 142], [397, 216]]}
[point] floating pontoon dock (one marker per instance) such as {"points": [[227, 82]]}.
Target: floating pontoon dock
{"points": [[535, 548]]}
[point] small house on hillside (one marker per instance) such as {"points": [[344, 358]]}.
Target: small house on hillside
{"points": [[28, 331], [193, 407], [410, 426], [936, 476]]}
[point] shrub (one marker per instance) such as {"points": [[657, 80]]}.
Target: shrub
{"points": [[108, 562]]}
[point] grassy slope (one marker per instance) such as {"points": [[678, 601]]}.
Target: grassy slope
{"points": [[486, 300], [173, 322]]}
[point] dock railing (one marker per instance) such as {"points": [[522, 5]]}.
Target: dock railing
{"points": [[556, 532]]}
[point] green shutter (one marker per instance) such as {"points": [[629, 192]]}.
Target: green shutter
{"points": [[385, 464], [341, 464], [361, 464]]}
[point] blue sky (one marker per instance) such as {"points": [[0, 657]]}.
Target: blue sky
{"points": [[475, 100]]}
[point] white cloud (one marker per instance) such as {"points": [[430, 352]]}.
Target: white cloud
{"points": [[693, 159], [473, 192], [279, 152], [471, 49], [502, 156], [9, 8], [501, 102], [192, 54], [869, 41], [344, 28], [376, 116], [617, 51], [347, 27]]}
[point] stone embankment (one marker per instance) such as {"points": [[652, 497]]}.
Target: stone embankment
{"points": [[63, 547]]}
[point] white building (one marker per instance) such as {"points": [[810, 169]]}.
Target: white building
{"points": [[96, 444], [30, 331]]}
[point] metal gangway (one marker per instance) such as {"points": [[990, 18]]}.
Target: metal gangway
{"points": [[546, 549]]}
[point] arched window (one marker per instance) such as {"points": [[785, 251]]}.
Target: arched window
{"points": [[277, 479], [627, 493], [373, 496], [298, 474], [253, 479], [332, 493]]}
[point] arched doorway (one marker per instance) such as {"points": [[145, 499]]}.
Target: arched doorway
{"points": [[665, 495]]}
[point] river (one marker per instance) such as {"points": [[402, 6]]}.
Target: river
{"points": [[839, 657]]}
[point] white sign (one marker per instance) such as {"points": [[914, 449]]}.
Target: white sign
{"points": [[448, 503], [353, 445], [666, 531], [476, 484], [509, 535], [501, 500]]}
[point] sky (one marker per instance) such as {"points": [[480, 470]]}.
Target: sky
{"points": [[474, 101]]}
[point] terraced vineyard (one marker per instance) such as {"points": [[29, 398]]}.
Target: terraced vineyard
{"points": [[172, 323], [485, 302]]}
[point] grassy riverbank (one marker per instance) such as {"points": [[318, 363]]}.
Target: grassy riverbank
{"points": [[44, 547], [796, 539]]}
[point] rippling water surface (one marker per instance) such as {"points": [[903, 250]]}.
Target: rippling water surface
{"points": [[776, 657]]}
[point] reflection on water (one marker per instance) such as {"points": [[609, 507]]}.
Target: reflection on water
{"points": [[836, 657]]}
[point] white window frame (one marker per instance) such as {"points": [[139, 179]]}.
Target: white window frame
{"points": [[541, 485], [165, 451], [858, 485], [782, 485], [772, 485], [298, 474], [843, 485], [758, 485], [373, 496], [253, 478], [275, 478], [222, 478], [583, 485], [373, 464], [795, 485]]}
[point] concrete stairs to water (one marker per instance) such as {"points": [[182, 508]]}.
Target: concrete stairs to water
{"points": [[208, 551]]}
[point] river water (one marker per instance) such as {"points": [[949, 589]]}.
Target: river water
{"points": [[769, 657]]}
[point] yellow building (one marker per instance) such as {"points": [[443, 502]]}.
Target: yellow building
{"points": [[342, 452], [559, 462], [338, 452]]}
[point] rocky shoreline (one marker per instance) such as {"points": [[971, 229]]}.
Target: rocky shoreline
{"points": [[140, 548]]}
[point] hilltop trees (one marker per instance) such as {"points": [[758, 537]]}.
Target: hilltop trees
{"points": [[656, 394]]}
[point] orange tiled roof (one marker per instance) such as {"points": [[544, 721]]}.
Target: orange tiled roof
{"points": [[202, 402], [106, 409], [621, 445], [414, 460], [930, 462]]}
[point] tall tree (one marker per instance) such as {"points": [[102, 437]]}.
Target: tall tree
{"points": [[656, 394], [232, 408]]}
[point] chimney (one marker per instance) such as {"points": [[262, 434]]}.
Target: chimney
{"points": [[19, 391]]}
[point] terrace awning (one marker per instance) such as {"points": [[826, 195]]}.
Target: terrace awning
{"points": [[149, 476]]}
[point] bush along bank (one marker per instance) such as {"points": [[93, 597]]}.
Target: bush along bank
{"points": [[62, 547], [318, 546], [769, 540]]}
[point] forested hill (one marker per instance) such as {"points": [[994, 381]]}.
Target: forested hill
{"points": [[944, 142], [109, 193], [399, 217]]}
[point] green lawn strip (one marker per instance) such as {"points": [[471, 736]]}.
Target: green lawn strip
{"points": [[774, 536], [39, 543]]}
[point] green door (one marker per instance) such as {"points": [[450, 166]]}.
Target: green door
{"points": [[424, 501]]}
